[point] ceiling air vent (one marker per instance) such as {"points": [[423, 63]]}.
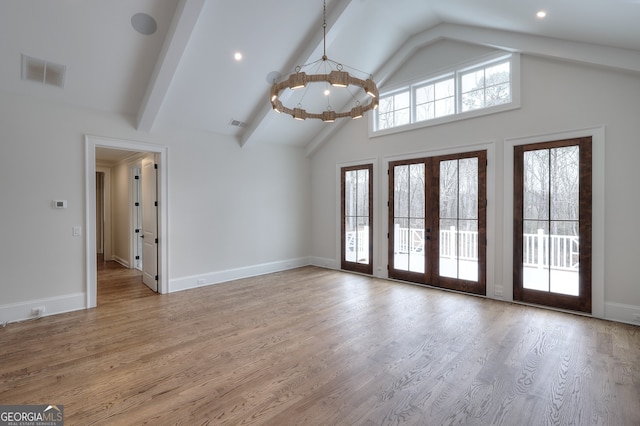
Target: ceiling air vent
{"points": [[238, 123], [41, 71]]}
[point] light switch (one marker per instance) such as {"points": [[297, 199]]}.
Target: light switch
{"points": [[77, 231]]}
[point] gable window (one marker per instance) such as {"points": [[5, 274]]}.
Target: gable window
{"points": [[483, 87]]}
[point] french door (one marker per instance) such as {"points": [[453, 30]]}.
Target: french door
{"points": [[552, 224], [357, 217], [437, 221]]}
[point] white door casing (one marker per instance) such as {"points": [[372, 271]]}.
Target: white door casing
{"points": [[161, 151]]}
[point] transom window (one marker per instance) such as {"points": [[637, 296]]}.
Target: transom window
{"points": [[487, 87], [435, 99], [394, 110]]}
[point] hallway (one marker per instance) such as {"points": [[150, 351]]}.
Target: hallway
{"points": [[115, 283]]}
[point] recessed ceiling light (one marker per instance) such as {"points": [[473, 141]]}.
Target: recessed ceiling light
{"points": [[144, 24], [541, 14], [237, 56]]}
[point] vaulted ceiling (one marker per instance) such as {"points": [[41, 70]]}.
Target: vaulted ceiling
{"points": [[184, 74]]}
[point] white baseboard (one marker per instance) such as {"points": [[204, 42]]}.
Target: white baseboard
{"points": [[619, 312], [323, 262], [195, 281], [52, 306], [498, 292], [121, 261]]}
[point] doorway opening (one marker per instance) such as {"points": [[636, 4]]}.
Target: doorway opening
{"points": [[115, 224], [128, 208]]}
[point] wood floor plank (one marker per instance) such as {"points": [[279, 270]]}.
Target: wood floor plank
{"points": [[313, 346]]}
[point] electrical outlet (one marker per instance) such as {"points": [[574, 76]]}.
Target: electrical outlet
{"points": [[201, 281], [38, 311]]}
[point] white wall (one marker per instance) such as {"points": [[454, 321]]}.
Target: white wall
{"points": [[121, 212], [234, 207], [556, 97], [232, 211], [434, 60]]}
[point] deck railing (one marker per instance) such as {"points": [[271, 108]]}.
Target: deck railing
{"points": [[463, 242], [554, 251], [357, 245], [539, 250]]}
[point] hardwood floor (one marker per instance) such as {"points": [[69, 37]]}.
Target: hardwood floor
{"points": [[117, 283], [313, 346]]}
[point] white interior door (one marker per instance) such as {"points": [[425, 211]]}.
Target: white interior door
{"points": [[137, 217], [149, 223]]}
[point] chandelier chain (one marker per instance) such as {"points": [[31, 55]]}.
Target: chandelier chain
{"points": [[324, 31]]}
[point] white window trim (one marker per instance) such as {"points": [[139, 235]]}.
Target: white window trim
{"points": [[495, 57]]}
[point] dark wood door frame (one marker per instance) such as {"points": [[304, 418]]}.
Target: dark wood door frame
{"points": [[431, 244], [344, 264], [582, 302]]}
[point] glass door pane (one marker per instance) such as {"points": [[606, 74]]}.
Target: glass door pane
{"points": [[409, 218], [564, 243], [551, 199], [356, 219], [552, 224], [448, 219], [458, 239]]}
